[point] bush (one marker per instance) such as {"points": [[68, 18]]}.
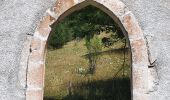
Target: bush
{"points": [[60, 35]]}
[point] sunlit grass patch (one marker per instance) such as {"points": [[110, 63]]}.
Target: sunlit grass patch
{"points": [[68, 66]]}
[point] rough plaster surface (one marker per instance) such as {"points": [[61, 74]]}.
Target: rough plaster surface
{"points": [[154, 18], [19, 18]]}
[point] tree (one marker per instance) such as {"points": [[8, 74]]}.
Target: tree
{"points": [[83, 23], [60, 35], [93, 46]]}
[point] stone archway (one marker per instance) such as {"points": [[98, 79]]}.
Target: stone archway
{"points": [[120, 14]]}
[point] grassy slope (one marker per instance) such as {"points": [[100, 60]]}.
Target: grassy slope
{"points": [[62, 66]]}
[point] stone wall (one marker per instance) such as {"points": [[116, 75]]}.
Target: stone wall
{"points": [[154, 18], [19, 19]]}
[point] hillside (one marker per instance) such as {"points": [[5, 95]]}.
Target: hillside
{"points": [[67, 77]]}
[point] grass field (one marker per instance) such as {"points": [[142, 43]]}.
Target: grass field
{"points": [[66, 77]]}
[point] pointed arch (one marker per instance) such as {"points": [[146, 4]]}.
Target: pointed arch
{"points": [[120, 14]]}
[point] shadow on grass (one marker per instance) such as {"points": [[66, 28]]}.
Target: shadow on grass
{"points": [[119, 50], [111, 89]]}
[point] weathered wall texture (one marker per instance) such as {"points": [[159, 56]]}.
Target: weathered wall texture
{"points": [[154, 19], [19, 18]]}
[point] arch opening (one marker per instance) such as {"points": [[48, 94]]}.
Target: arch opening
{"points": [[84, 73], [120, 14]]}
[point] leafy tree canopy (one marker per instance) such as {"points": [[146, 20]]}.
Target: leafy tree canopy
{"points": [[83, 23]]}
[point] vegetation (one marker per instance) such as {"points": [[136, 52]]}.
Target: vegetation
{"points": [[87, 59], [83, 23], [93, 46], [67, 67]]}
